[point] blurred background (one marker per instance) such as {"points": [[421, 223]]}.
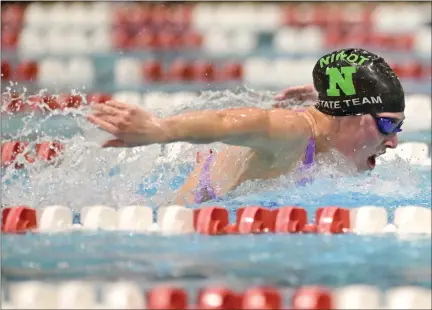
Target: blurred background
{"points": [[131, 50]]}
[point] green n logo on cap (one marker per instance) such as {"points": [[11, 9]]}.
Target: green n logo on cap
{"points": [[343, 77]]}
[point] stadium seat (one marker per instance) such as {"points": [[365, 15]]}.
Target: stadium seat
{"points": [[243, 42], [179, 70], [312, 40], [26, 71], [99, 14], [9, 37], [6, 70], [269, 17], [285, 40], [304, 14], [52, 72], [31, 43], [191, 40], [245, 17], [79, 14], [282, 74], [290, 71], [57, 45], [383, 18], [182, 99], [257, 71], [81, 72], [35, 15], [152, 70], [231, 71], [12, 14], [293, 75], [396, 19], [78, 42], [225, 16], [58, 14], [216, 42], [127, 72], [203, 17], [99, 40], [156, 101], [417, 121], [129, 97], [304, 72], [422, 41]]}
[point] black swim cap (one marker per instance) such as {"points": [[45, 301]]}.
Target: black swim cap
{"points": [[354, 81]]}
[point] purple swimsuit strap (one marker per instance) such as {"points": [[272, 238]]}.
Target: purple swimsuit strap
{"points": [[204, 184], [308, 159], [310, 152]]}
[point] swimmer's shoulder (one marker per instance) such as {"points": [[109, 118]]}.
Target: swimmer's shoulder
{"points": [[290, 133], [289, 125]]}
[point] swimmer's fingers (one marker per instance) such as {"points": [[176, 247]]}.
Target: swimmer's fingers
{"points": [[103, 123], [101, 109], [114, 143], [290, 91], [118, 105], [298, 92]]}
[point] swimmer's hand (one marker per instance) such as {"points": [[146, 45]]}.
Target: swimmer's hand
{"points": [[264, 130], [296, 95], [130, 124]]}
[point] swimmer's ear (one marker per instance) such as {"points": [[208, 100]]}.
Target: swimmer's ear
{"points": [[114, 143]]}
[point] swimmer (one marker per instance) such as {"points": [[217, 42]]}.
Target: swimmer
{"points": [[359, 110]]}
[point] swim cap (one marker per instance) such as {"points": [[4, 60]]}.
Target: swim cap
{"points": [[354, 81]]}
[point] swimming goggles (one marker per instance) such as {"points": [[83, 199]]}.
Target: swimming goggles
{"points": [[388, 125]]}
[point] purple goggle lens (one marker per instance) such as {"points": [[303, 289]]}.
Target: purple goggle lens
{"points": [[388, 125]]}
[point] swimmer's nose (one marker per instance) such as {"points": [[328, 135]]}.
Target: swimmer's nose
{"points": [[392, 141]]}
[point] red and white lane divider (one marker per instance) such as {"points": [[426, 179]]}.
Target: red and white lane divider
{"points": [[40, 103], [16, 102], [43, 151], [128, 295], [215, 220]]}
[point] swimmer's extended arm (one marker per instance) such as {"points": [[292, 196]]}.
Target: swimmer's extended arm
{"points": [[252, 127]]}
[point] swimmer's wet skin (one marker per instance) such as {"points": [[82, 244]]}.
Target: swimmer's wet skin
{"points": [[358, 112]]}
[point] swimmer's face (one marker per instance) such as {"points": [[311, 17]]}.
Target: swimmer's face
{"points": [[362, 141]]}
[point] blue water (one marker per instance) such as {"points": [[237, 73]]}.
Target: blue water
{"points": [[88, 175], [239, 261]]}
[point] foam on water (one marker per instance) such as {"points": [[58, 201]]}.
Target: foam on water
{"points": [[86, 174]]}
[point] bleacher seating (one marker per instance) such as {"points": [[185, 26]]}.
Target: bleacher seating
{"points": [[141, 46]]}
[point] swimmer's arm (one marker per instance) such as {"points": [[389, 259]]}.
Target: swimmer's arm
{"points": [[251, 127]]}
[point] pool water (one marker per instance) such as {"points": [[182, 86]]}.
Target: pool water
{"points": [[87, 175]]}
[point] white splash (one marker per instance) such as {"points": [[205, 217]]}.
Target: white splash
{"points": [[86, 174]]}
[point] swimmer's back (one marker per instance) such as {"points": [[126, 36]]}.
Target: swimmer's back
{"points": [[233, 165]]}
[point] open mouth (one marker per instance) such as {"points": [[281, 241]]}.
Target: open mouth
{"points": [[372, 161]]}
